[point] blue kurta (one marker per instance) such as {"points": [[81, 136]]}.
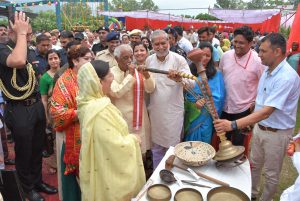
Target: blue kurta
{"points": [[201, 127], [293, 60]]}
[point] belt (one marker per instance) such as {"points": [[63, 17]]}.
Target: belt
{"points": [[267, 128], [27, 102]]}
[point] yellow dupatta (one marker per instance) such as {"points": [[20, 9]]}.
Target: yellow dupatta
{"points": [[110, 164]]}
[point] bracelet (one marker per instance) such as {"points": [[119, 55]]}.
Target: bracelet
{"points": [[234, 125]]}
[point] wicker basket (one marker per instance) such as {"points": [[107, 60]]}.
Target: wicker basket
{"points": [[194, 153]]}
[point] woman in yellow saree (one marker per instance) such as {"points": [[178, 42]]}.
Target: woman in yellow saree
{"points": [[110, 164]]}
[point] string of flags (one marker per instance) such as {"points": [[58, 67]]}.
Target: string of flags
{"points": [[36, 3]]}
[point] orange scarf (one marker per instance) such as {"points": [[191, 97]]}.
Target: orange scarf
{"points": [[62, 108]]}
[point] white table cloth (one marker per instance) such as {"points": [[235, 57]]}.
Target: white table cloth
{"points": [[238, 177]]}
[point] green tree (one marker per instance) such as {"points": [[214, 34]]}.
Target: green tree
{"points": [[4, 21], [132, 5], [128, 5], [78, 16], [255, 4], [295, 3], [230, 4], [205, 16], [75, 14], [259, 4], [187, 16], [46, 20], [226, 4], [285, 31], [148, 5]]}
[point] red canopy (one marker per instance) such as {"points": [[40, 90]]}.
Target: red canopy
{"points": [[295, 30], [269, 25]]}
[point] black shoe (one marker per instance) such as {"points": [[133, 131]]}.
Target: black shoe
{"points": [[45, 154], [35, 196], [9, 162], [45, 188]]}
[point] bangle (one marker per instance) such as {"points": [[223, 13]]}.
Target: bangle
{"points": [[234, 125]]}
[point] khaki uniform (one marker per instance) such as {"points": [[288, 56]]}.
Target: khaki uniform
{"points": [[106, 56]]}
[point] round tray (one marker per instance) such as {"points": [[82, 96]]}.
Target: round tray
{"points": [[188, 194], [194, 153], [226, 193], [159, 192]]}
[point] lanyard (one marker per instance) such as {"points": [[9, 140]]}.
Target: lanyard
{"points": [[246, 62]]}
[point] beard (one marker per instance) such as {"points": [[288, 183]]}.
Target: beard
{"points": [[4, 38], [162, 53]]}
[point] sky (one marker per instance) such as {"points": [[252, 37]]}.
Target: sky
{"points": [[174, 4], [162, 4]]}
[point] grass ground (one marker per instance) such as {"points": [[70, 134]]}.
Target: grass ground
{"points": [[288, 174]]}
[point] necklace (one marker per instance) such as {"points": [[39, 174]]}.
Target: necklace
{"points": [[246, 62]]}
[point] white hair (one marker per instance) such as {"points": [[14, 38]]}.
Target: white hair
{"points": [[120, 48], [158, 33]]}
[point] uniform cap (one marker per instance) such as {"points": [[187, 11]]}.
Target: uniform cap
{"points": [[136, 32], [103, 28], [113, 36]]}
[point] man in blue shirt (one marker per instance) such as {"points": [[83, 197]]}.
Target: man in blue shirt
{"points": [[42, 47], [203, 35], [275, 115]]}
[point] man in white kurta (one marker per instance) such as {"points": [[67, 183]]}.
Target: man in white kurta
{"points": [[166, 109], [122, 93]]}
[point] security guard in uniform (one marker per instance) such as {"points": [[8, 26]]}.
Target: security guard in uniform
{"points": [[135, 36], [102, 31], [174, 47], [24, 114], [113, 41]]}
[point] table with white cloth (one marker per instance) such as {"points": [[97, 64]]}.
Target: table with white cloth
{"points": [[238, 177]]}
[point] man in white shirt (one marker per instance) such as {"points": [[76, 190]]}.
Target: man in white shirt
{"points": [[214, 41], [183, 43], [166, 108], [275, 116]]}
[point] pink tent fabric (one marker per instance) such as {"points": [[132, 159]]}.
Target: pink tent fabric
{"points": [[287, 19], [244, 16], [149, 15], [142, 19]]}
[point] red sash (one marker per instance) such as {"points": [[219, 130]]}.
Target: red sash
{"points": [[138, 92]]}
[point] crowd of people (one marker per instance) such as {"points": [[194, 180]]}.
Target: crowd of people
{"points": [[113, 121]]}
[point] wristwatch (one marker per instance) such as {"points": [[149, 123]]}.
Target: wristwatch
{"points": [[234, 125]]}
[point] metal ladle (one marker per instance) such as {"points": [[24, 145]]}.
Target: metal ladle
{"points": [[168, 177]]}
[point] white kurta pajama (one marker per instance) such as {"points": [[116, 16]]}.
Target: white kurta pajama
{"points": [[122, 96], [166, 108]]}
